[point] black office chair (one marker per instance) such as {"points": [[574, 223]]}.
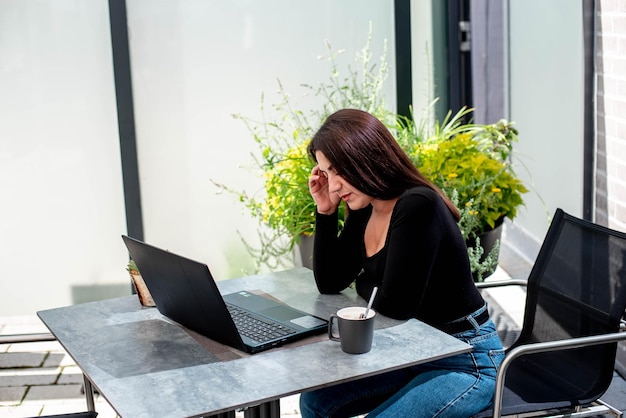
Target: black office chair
{"points": [[564, 358]]}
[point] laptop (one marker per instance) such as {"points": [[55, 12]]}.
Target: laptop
{"points": [[185, 291]]}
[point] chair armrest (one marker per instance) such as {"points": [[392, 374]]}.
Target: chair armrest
{"points": [[26, 338], [545, 347], [501, 283]]}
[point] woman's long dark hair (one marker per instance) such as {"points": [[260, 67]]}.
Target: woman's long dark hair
{"points": [[366, 155]]}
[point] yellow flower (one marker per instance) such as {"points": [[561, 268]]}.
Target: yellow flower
{"points": [[453, 175], [496, 190], [465, 136]]}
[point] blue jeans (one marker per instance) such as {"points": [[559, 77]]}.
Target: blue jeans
{"points": [[457, 386]]}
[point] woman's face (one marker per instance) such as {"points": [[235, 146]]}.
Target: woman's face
{"points": [[354, 198]]}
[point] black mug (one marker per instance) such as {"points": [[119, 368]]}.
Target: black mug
{"points": [[355, 333]]}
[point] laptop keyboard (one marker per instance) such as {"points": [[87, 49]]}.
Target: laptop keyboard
{"points": [[255, 328]]}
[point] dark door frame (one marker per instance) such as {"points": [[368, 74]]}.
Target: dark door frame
{"points": [[126, 118]]}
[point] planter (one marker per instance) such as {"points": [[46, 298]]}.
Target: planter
{"points": [[488, 241], [304, 256], [145, 298]]}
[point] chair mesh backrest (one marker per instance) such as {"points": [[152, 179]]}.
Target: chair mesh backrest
{"points": [[576, 288]]}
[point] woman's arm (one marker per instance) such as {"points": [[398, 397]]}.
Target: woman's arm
{"points": [[337, 256]]}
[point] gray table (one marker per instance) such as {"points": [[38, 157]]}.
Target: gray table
{"points": [[147, 366]]}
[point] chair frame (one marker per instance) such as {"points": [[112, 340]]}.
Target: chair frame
{"points": [[522, 347], [594, 409]]}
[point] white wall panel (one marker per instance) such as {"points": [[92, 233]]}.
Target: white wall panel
{"points": [[61, 201], [546, 94]]}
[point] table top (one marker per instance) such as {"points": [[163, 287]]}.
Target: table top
{"points": [[145, 365]]}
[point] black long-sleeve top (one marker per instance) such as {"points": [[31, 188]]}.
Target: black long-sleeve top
{"points": [[421, 272]]}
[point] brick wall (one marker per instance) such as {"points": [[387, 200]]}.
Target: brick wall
{"points": [[610, 196], [611, 125]]}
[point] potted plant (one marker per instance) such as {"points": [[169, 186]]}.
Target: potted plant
{"points": [[472, 164], [284, 206], [145, 298], [469, 162]]}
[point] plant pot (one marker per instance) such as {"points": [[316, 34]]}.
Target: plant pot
{"points": [[488, 241], [145, 298], [305, 250]]}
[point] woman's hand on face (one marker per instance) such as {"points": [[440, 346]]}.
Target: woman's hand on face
{"points": [[326, 201]]}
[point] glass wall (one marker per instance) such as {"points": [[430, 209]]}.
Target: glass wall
{"points": [[61, 200], [194, 64], [546, 87]]}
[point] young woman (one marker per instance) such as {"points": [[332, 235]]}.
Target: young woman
{"points": [[401, 234]]}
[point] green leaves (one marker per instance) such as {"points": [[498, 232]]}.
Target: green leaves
{"points": [[284, 207], [473, 161], [469, 162]]}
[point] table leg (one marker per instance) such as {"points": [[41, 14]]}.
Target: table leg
{"points": [[91, 405], [269, 409]]}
